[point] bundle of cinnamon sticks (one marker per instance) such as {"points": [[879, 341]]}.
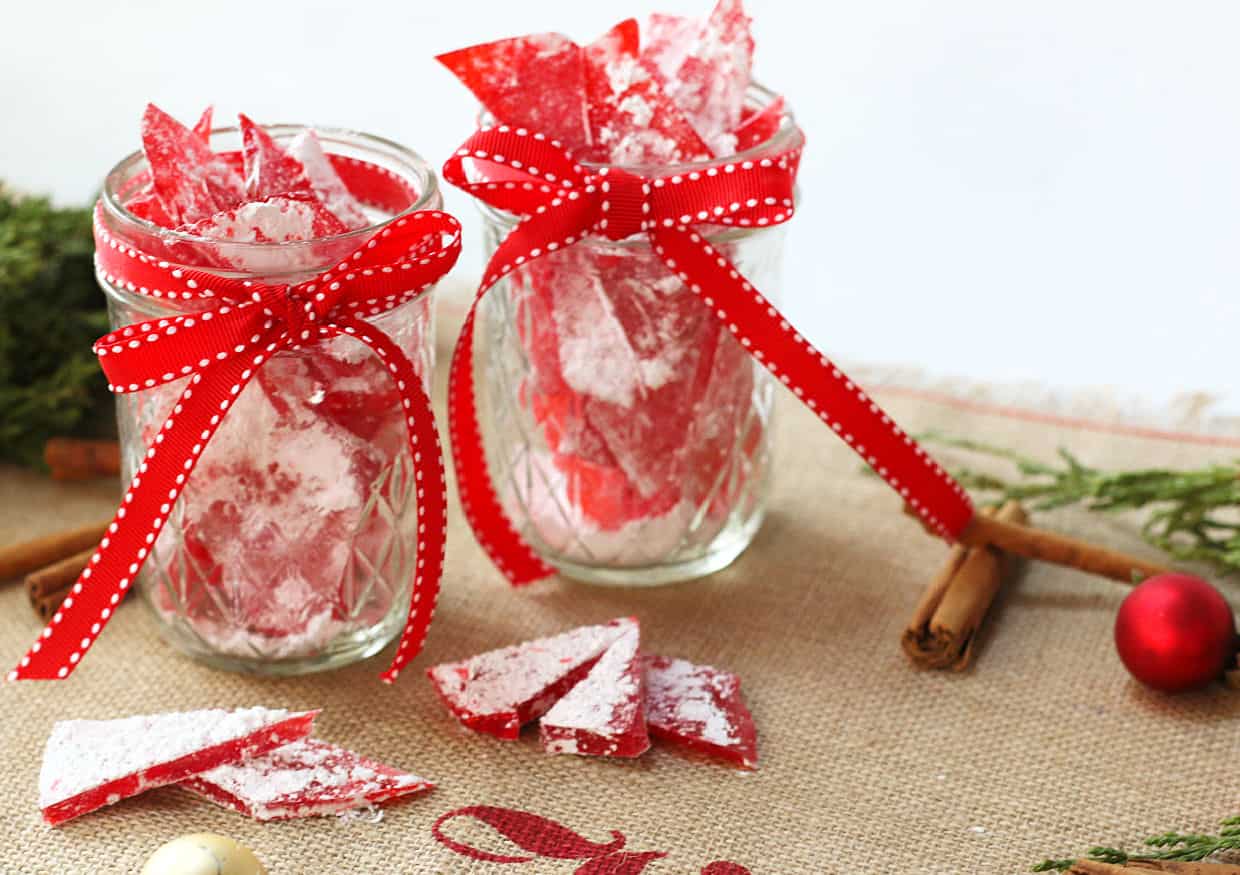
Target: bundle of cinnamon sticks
{"points": [[50, 565], [944, 628]]}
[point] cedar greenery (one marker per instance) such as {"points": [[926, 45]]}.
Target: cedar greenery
{"points": [[1192, 514], [51, 311], [1181, 847]]}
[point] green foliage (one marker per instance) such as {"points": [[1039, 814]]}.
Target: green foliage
{"points": [[51, 311], [1192, 515], [1182, 847]]}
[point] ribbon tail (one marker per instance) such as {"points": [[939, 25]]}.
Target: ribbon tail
{"points": [[842, 405], [549, 229], [426, 453], [156, 485]]}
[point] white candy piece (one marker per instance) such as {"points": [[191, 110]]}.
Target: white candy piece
{"points": [[203, 853]]}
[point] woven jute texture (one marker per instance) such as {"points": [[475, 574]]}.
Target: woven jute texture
{"points": [[868, 766]]}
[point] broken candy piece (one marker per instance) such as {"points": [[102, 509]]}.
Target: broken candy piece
{"points": [[605, 714], [191, 181], [304, 779], [668, 39], [758, 127], [536, 82], [203, 126], [632, 119], [88, 764], [701, 708], [327, 184], [710, 84], [499, 691], [269, 170]]}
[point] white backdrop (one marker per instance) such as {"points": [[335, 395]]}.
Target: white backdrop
{"points": [[1027, 190]]}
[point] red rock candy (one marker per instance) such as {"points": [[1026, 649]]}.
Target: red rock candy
{"points": [[632, 119], [535, 82], [326, 182], [758, 127], [269, 170], [191, 181], [304, 779], [499, 691], [605, 714], [700, 707], [88, 764]]}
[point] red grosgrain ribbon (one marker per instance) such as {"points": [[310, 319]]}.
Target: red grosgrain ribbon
{"points": [[560, 202], [219, 350]]}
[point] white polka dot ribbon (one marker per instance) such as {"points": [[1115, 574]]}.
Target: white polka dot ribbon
{"points": [[560, 202], [216, 352]]}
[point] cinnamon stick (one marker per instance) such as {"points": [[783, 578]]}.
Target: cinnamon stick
{"points": [[74, 459], [943, 631], [1145, 867], [21, 559], [47, 587], [1034, 543]]}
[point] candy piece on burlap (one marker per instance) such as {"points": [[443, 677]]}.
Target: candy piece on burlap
{"points": [[605, 714], [499, 691], [709, 85], [326, 182], [701, 708], [535, 82], [191, 181], [88, 764], [632, 118], [758, 127], [269, 170], [304, 779]]}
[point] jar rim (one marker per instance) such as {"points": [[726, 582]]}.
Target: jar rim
{"points": [[418, 167]]}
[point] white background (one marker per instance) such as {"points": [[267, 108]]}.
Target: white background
{"points": [[1020, 190]]}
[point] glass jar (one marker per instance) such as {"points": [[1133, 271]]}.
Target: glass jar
{"points": [[291, 547], [627, 431]]}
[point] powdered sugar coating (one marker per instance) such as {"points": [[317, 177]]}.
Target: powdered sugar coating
{"points": [[304, 779], [605, 714], [127, 756], [498, 691], [699, 706], [326, 182], [191, 181]]}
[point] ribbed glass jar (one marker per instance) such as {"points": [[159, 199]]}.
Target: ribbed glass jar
{"points": [[291, 547]]}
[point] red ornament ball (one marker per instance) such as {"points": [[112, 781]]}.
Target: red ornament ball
{"points": [[1175, 632]]}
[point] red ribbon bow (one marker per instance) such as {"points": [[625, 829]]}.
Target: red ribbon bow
{"points": [[219, 350], [560, 202]]}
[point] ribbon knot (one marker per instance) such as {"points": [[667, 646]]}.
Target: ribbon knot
{"points": [[624, 202], [216, 353], [560, 202]]}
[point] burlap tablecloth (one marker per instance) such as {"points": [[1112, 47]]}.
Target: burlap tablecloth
{"points": [[868, 766]]}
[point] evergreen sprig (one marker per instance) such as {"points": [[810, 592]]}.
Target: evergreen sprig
{"points": [[1192, 514], [51, 311], [1175, 846]]}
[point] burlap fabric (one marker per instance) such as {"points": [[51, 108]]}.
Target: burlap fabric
{"points": [[868, 766]]}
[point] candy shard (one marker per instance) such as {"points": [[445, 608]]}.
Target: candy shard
{"points": [[701, 708], [499, 691], [269, 170], [632, 118], [710, 83], [605, 714], [304, 779], [88, 764], [536, 82], [191, 181], [203, 126], [668, 39], [326, 182], [278, 219], [758, 127]]}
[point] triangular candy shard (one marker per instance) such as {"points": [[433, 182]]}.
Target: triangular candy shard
{"points": [[701, 708], [326, 182], [88, 764], [269, 170], [535, 82], [304, 779], [605, 714], [499, 691], [191, 181]]}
